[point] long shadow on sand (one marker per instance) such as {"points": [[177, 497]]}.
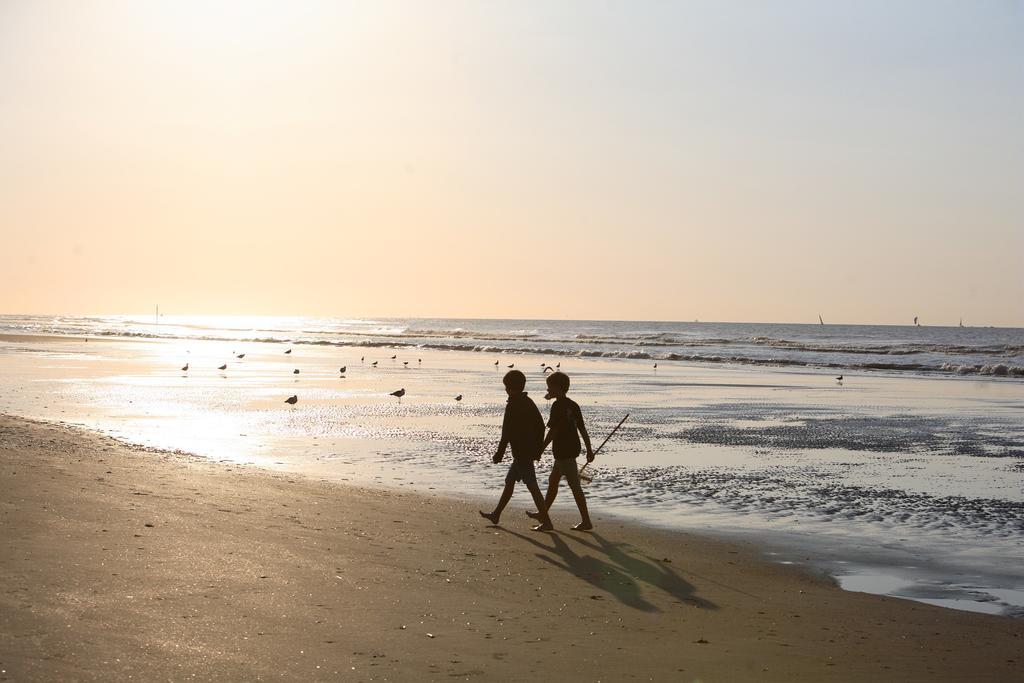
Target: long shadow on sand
{"points": [[618, 572]]}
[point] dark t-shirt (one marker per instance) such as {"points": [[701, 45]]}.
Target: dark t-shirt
{"points": [[565, 419], [523, 427]]}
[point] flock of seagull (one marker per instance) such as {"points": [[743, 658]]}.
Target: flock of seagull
{"points": [[294, 398]]}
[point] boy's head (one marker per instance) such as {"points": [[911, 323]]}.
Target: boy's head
{"points": [[558, 385], [514, 381]]}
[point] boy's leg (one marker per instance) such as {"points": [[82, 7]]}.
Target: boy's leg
{"points": [[553, 481], [549, 497], [542, 512], [506, 496], [529, 476], [581, 501]]}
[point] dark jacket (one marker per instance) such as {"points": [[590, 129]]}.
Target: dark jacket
{"points": [[522, 428]]}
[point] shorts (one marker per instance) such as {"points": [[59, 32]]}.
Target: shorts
{"points": [[521, 470], [566, 467]]}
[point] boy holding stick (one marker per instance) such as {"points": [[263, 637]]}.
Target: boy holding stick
{"points": [[565, 427]]}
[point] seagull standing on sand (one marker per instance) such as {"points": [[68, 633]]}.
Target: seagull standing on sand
{"points": [[394, 356], [459, 397], [839, 379], [185, 369], [400, 393], [405, 363], [287, 352], [342, 369], [292, 400], [495, 363], [374, 363], [295, 371], [241, 355], [512, 366], [223, 367]]}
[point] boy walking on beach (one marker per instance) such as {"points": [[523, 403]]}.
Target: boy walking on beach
{"points": [[565, 427], [523, 429]]}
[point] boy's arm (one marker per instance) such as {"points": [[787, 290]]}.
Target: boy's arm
{"points": [[506, 424], [553, 424], [502, 445], [552, 429], [586, 437]]}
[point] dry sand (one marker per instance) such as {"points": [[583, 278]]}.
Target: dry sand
{"points": [[122, 563]]}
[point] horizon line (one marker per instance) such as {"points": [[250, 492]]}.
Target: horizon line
{"points": [[504, 319]]}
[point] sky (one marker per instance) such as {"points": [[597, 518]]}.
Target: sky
{"points": [[717, 160]]}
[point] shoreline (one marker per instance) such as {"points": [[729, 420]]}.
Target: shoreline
{"points": [[129, 562], [876, 572]]}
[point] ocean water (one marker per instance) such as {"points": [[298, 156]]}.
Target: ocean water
{"points": [[997, 352], [906, 478]]}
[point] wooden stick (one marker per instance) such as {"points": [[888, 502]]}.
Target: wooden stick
{"points": [[604, 442]]}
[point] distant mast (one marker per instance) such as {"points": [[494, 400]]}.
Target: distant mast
{"points": [[961, 322], [820, 321], [158, 314]]}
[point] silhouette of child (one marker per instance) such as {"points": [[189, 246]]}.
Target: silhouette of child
{"points": [[523, 429], [565, 427]]}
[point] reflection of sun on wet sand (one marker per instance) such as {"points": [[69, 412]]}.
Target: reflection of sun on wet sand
{"points": [[119, 562]]}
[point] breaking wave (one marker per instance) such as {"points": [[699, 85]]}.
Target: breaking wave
{"points": [[991, 369], [981, 352]]}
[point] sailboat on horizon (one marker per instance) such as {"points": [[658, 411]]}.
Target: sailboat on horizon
{"points": [[820, 321]]}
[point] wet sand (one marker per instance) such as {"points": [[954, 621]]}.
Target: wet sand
{"points": [[119, 562]]}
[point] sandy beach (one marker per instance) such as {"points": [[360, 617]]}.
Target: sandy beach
{"points": [[121, 562], [282, 279]]}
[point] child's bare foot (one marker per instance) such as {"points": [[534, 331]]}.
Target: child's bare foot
{"points": [[532, 514], [490, 517], [583, 526], [543, 527]]}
